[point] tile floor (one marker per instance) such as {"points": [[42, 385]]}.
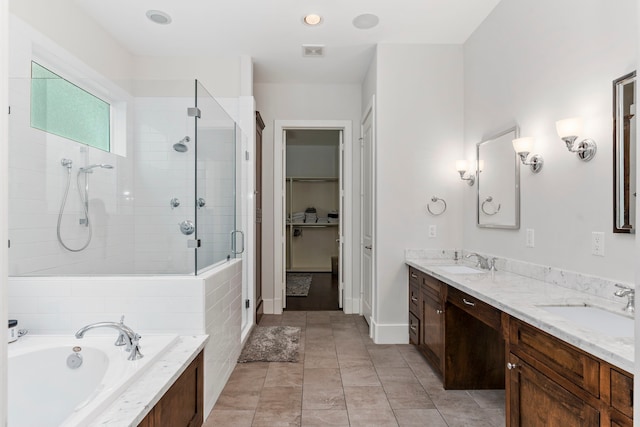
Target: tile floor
{"points": [[344, 379]]}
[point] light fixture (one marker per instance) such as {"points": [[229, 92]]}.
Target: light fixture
{"points": [[462, 166], [159, 17], [524, 146], [365, 21], [312, 19], [569, 130]]}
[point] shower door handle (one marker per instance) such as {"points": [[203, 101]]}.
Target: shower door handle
{"points": [[233, 242]]}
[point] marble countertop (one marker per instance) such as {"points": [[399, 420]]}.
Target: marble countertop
{"points": [[521, 297], [130, 408]]}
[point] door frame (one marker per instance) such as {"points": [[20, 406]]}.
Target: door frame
{"points": [[370, 111], [279, 197]]}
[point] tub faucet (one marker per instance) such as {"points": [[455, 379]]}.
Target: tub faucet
{"points": [[126, 337], [630, 293], [483, 262]]}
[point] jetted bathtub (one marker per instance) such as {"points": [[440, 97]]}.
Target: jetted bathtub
{"points": [[44, 391]]}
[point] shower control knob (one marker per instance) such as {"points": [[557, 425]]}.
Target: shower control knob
{"points": [[201, 202], [187, 227], [174, 202]]}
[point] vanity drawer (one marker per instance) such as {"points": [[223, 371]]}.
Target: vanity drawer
{"points": [[414, 329], [414, 299], [478, 309], [415, 277], [622, 392], [432, 286], [555, 357]]}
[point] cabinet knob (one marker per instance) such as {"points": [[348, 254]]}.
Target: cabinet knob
{"points": [[471, 303], [511, 366], [438, 311]]}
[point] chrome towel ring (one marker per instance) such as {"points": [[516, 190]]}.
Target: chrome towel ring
{"points": [[496, 209], [435, 199]]}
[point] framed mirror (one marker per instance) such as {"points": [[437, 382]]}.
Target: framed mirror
{"points": [[498, 178], [624, 154]]}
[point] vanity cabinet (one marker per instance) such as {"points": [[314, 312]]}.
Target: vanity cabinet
{"points": [[182, 404], [551, 382]]}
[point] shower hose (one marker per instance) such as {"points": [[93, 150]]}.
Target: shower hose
{"points": [[84, 206]]}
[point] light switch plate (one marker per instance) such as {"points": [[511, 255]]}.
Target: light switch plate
{"points": [[530, 238], [597, 243]]}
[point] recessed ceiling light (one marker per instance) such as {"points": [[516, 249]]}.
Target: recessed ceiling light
{"points": [[365, 21], [159, 17], [312, 19]]}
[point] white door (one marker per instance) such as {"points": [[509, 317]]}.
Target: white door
{"points": [[341, 224], [367, 194]]}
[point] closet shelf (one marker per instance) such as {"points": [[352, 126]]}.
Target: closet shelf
{"points": [[312, 224], [312, 179]]}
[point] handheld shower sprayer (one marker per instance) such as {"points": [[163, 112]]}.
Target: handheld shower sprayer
{"points": [[84, 198]]}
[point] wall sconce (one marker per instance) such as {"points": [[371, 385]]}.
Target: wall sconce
{"points": [[568, 130], [524, 146], [462, 166]]}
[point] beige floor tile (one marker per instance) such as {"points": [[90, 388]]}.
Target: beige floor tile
{"points": [[277, 419], [419, 418], [372, 418], [359, 376], [323, 398], [224, 418], [354, 362], [286, 399], [322, 378], [366, 398], [314, 361], [396, 375], [387, 357], [322, 418], [408, 396], [489, 399], [238, 400], [284, 374]]}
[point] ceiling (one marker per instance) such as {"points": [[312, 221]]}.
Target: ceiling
{"points": [[272, 31]]}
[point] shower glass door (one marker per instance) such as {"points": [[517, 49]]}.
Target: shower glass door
{"points": [[215, 189]]}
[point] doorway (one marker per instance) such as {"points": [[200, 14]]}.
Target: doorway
{"points": [[312, 188], [309, 180]]}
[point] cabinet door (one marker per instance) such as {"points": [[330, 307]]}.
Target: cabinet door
{"points": [[536, 401], [432, 339]]}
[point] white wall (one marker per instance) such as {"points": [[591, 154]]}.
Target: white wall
{"points": [[558, 62], [306, 102], [4, 197], [419, 133]]}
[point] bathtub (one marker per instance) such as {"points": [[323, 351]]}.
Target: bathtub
{"points": [[44, 392]]}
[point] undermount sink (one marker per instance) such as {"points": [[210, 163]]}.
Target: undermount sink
{"points": [[459, 269], [595, 318]]}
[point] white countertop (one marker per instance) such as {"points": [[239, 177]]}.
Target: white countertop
{"points": [[521, 297], [130, 408]]}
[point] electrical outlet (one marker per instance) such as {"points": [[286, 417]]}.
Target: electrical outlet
{"points": [[597, 243], [433, 231], [530, 238]]}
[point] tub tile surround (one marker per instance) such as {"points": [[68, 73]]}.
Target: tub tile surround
{"points": [[516, 289], [208, 304], [136, 401]]}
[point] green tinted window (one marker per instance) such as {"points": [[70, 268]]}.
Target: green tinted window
{"points": [[62, 108]]}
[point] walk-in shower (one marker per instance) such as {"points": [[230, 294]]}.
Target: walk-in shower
{"points": [[84, 200], [91, 218]]}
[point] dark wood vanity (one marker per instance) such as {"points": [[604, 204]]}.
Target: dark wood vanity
{"points": [[473, 345], [182, 404]]}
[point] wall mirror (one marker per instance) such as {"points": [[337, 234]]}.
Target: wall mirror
{"points": [[624, 154], [498, 178]]}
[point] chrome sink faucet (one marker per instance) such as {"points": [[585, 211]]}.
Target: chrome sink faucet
{"points": [[126, 337], [630, 293], [483, 262]]}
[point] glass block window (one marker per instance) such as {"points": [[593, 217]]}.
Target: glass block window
{"points": [[62, 108]]}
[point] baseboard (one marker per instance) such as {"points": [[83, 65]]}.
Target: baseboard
{"points": [[390, 333], [267, 305], [272, 306]]}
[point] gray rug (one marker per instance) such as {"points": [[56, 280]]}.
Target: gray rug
{"points": [[271, 344], [298, 284]]}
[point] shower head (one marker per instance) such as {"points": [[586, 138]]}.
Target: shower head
{"points": [[89, 169], [181, 145]]}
